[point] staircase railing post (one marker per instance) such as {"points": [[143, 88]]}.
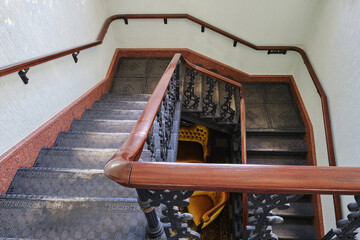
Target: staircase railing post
{"points": [[154, 228]]}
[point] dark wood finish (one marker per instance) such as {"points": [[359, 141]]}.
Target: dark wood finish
{"points": [[327, 124]]}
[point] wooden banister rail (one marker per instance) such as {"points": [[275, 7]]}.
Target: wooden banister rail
{"points": [[5, 70]]}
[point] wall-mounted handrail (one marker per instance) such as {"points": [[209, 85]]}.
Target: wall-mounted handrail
{"points": [[5, 70]]}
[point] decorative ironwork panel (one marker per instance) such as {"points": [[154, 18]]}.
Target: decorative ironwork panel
{"points": [[259, 225], [174, 222], [191, 101], [347, 227], [227, 113], [210, 106]]}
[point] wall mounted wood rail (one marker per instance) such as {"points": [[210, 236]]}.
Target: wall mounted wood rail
{"points": [[326, 116]]}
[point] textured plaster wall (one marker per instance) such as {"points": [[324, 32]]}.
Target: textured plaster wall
{"points": [[333, 48], [33, 28], [262, 22]]}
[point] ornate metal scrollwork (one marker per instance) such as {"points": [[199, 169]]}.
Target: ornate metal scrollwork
{"points": [[347, 227], [174, 222], [209, 107], [191, 101], [228, 114], [150, 141], [259, 225]]}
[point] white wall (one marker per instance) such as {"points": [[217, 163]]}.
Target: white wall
{"points": [[333, 48], [281, 23], [30, 29]]}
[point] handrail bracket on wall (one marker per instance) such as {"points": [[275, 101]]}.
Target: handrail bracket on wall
{"points": [[74, 55], [277, 51], [22, 74]]}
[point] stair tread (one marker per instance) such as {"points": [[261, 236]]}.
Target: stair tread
{"points": [[80, 158], [276, 144], [67, 182], [111, 114], [90, 139], [276, 159], [119, 105], [294, 231], [70, 218], [122, 97], [296, 209], [93, 125]]}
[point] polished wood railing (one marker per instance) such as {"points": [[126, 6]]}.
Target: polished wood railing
{"points": [[5, 70]]}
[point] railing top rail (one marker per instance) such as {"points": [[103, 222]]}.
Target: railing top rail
{"points": [[242, 178]]}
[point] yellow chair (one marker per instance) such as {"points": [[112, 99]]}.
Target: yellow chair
{"points": [[206, 206], [194, 147], [193, 144]]}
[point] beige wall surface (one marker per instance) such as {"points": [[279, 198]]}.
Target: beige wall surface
{"points": [[30, 29], [332, 44]]}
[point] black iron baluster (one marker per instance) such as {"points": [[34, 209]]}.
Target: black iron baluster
{"points": [[174, 222], [150, 141], [259, 225], [154, 228], [191, 101], [228, 114], [209, 107], [347, 227]]}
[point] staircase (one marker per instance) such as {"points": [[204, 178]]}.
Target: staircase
{"points": [[66, 195]]}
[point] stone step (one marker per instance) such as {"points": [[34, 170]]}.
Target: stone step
{"points": [[296, 209], [120, 97], [108, 126], [119, 105], [41, 217], [274, 132], [295, 230], [276, 144], [80, 158], [276, 159], [90, 140], [67, 183], [111, 114]]}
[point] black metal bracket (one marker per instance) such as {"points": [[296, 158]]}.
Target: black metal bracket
{"points": [[202, 29], [22, 74], [165, 20], [126, 21], [74, 55], [235, 43], [277, 51]]}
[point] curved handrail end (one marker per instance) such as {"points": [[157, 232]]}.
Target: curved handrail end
{"points": [[119, 170]]}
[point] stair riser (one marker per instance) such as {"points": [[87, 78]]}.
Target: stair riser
{"points": [[104, 105], [111, 115], [104, 126]]}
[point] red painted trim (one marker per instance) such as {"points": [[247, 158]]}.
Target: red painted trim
{"points": [[26, 151]]}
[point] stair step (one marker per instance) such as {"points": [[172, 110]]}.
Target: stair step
{"points": [[296, 209], [295, 231], [108, 126], [80, 158], [67, 182], [274, 132], [23, 216], [276, 144], [111, 114], [276, 159], [119, 105], [121, 97], [90, 140]]}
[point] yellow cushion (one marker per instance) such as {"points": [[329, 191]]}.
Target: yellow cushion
{"points": [[206, 206], [198, 206]]}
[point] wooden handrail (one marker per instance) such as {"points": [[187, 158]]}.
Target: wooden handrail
{"points": [[5, 70]]}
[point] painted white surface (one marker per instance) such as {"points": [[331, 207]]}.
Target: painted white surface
{"points": [[333, 47], [30, 29]]}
